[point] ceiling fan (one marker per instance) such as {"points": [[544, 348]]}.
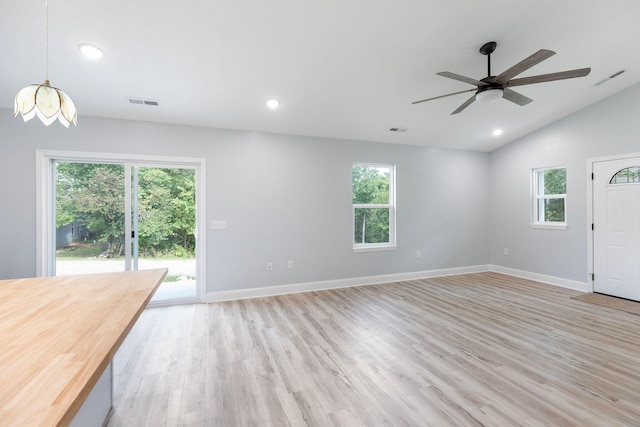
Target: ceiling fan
{"points": [[495, 87]]}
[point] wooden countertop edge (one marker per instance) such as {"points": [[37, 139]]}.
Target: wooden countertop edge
{"points": [[102, 366]]}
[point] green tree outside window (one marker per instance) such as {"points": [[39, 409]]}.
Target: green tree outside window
{"points": [[551, 192], [372, 204], [92, 195]]}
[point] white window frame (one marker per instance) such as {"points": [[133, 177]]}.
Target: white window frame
{"points": [[536, 197], [391, 245]]}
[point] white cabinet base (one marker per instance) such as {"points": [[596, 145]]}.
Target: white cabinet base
{"points": [[96, 409]]}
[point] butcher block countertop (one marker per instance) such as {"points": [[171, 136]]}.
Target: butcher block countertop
{"points": [[57, 336]]}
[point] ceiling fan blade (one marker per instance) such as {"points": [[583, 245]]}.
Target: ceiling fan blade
{"points": [[465, 105], [581, 72], [515, 97], [523, 65], [462, 78], [444, 96]]}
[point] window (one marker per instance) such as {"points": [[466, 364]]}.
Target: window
{"points": [[373, 188], [550, 198], [626, 176]]}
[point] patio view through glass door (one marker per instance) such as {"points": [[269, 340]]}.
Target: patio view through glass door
{"points": [[117, 217]]}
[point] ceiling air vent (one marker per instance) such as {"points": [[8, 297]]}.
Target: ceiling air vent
{"points": [[141, 101], [612, 76]]}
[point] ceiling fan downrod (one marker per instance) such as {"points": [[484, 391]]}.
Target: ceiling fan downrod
{"points": [[488, 49]]}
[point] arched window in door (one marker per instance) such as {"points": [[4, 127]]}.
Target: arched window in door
{"points": [[626, 176]]}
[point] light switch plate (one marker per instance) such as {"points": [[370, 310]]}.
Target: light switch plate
{"points": [[219, 224]]}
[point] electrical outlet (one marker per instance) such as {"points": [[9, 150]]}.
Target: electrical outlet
{"points": [[505, 251], [418, 254], [269, 266], [290, 265]]}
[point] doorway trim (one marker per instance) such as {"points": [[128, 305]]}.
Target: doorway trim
{"points": [[590, 207], [45, 220]]}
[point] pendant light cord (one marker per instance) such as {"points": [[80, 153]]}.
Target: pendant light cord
{"points": [[46, 40]]}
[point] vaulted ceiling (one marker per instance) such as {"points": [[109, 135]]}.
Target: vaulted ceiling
{"points": [[340, 68]]}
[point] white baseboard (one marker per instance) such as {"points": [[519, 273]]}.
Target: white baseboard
{"points": [[543, 278], [270, 291]]}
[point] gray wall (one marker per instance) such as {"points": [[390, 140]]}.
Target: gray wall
{"points": [[609, 127], [284, 197]]}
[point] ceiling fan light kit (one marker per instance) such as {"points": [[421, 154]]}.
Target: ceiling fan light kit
{"points": [[488, 95], [492, 87]]}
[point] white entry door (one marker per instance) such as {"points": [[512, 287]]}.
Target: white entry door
{"points": [[616, 236]]}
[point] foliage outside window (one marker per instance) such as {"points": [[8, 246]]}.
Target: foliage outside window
{"points": [[91, 196], [550, 197], [373, 206]]}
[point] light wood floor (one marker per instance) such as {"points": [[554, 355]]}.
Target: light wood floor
{"points": [[472, 350]]}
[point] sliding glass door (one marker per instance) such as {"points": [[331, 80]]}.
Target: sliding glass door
{"points": [[164, 228], [119, 216]]}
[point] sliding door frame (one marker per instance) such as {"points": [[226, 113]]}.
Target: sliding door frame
{"points": [[45, 206]]}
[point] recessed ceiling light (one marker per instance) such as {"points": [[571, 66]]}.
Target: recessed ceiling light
{"points": [[497, 132], [90, 51], [273, 103]]}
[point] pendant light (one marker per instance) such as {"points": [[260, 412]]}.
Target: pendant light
{"points": [[43, 100]]}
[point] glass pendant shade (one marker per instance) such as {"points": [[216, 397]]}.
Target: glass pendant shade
{"points": [[46, 102]]}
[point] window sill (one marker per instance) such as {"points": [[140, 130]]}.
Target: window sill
{"points": [[373, 248], [550, 226]]}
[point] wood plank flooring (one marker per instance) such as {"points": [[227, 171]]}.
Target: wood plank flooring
{"points": [[472, 350]]}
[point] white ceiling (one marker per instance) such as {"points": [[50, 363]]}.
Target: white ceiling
{"points": [[341, 68]]}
